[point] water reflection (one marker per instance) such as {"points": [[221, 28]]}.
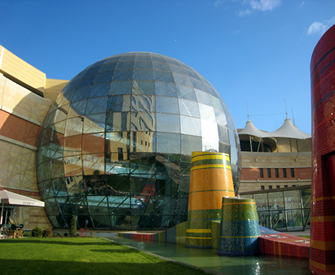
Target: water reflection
{"points": [[209, 259]]}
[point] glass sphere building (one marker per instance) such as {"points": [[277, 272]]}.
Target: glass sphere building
{"points": [[115, 147]]}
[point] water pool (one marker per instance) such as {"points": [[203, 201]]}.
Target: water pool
{"points": [[209, 259]]}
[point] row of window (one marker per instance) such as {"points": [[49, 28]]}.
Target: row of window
{"points": [[277, 186], [261, 172]]}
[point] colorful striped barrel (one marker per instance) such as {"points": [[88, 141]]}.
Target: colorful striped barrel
{"points": [[211, 179], [239, 230]]}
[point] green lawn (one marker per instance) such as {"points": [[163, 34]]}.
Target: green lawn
{"points": [[80, 256]]}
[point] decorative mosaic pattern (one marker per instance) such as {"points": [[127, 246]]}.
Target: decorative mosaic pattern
{"points": [[239, 230], [322, 248]]}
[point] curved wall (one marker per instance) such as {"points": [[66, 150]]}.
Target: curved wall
{"points": [[115, 147], [322, 248]]}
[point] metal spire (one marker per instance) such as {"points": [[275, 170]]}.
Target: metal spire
{"points": [[293, 117]]}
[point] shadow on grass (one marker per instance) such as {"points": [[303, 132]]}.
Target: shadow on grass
{"points": [[36, 267], [123, 251], [73, 241]]}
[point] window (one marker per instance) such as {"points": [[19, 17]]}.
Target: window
{"points": [[120, 153], [134, 142], [293, 185], [119, 134], [141, 142], [292, 173], [261, 172], [269, 173], [277, 172], [270, 186], [284, 173], [277, 186], [262, 187], [146, 143], [285, 186]]}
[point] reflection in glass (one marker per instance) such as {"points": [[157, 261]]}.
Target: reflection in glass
{"points": [[287, 214], [188, 108], [119, 103], [166, 89], [191, 126], [190, 144], [115, 147], [207, 112], [168, 123], [209, 136], [186, 92], [167, 105], [120, 88], [168, 143], [117, 122]]}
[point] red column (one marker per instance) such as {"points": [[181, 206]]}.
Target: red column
{"points": [[322, 249]]}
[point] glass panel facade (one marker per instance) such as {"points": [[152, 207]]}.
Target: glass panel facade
{"points": [[115, 147], [286, 210]]}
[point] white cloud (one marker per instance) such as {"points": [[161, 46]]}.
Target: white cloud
{"points": [[218, 3], [320, 27], [244, 12], [264, 5], [303, 3], [259, 5]]}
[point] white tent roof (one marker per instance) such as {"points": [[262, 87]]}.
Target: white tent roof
{"points": [[288, 130], [251, 130], [11, 198]]}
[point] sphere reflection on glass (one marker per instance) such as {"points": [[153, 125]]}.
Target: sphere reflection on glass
{"points": [[115, 147]]}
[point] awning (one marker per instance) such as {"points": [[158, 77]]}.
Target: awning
{"points": [[11, 198]]}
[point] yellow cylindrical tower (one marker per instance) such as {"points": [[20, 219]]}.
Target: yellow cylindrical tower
{"points": [[211, 179]]}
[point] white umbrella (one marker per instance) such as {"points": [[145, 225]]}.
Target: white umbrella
{"points": [[10, 198]]}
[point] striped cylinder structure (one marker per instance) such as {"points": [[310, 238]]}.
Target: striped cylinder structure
{"points": [[322, 248], [239, 229], [211, 179]]}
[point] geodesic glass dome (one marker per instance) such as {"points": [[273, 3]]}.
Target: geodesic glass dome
{"points": [[115, 147]]}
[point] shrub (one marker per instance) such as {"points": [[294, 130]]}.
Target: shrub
{"points": [[59, 234], [92, 233], [37, 232], [73, 227], [47, 233], [66, 234], [26, 234]]}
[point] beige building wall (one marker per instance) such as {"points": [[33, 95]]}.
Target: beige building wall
{"points": [[53, 87], [15, 67], [21, 115]]}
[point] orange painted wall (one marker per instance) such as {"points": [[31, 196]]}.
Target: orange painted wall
{"points": [[18, 129]]}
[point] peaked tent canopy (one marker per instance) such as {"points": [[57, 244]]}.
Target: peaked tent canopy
{"points": [[288, 130], [251, 130]]}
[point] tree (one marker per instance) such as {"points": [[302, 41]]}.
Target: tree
{"points": [[73, 227]]}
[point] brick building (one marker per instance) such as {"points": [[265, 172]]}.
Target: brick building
{"points": [[272, 160]]}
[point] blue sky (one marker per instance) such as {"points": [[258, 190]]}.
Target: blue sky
{"points": [[254, 52]]}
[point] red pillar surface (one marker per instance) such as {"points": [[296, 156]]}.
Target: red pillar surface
{"points": [[322, 249]]}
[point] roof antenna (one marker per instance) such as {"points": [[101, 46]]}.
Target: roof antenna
{"points": [[286, 108], [248, 111], [293, 117]]}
